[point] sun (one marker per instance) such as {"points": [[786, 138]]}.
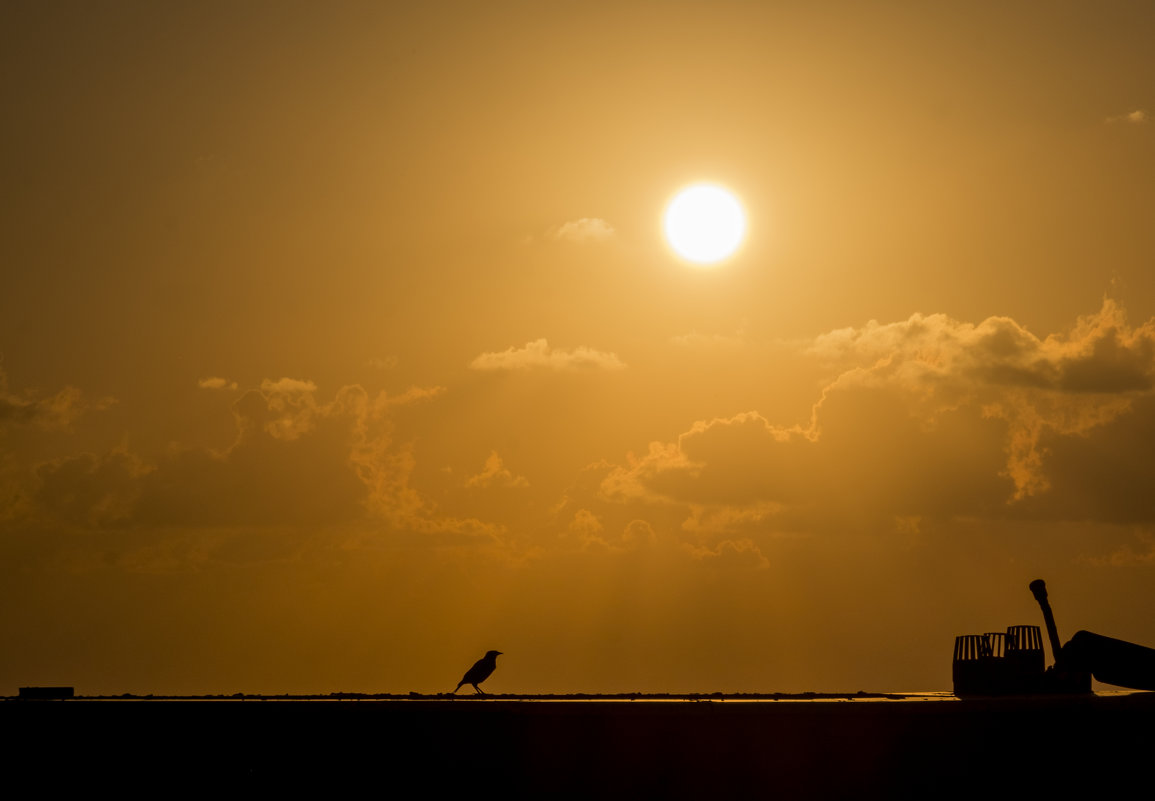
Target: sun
{"points": [[704, 223]]}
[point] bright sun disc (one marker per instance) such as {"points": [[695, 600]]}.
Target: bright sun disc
{"points": [[704, 223]]}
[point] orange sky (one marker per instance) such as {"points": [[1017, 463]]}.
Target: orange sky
{"points": [[340, 344]]}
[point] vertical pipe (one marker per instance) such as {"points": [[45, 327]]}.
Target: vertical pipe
{"points": [[1039, 590]]}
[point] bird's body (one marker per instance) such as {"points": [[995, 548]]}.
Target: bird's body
{"points": [[480, 671]]}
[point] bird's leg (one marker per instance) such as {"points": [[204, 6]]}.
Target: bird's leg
{"points": [[479, 690]]}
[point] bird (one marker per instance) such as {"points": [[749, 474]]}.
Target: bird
{"points": [[480, 671]]}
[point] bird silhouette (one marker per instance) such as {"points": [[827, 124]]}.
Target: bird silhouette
{"points": [[480, 671]]}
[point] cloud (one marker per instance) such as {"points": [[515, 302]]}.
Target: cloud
{"points": [[585, 523], [384, 362], [1136, 117], [687, 471], [731, 555], [590, 532], [927, 418], [52, 412], [298, 462], [1103, 474], [90, 490], [496, 474], [639, 534], [539, 355], [587, 529], [216, 382], [1066, 384], [1141, 552], [866, 459], [1102, 354], [583, 231], [285, 408], [716, 520]]}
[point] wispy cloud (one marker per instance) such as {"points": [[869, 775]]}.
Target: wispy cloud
{"points": [[585, 230], [296, 459], [216, 382], [538, 355], [383, 362], [1136, 117], [732, 554], [57, 411]]}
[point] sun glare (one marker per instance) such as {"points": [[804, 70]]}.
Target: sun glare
{"points": [[704, 223]]}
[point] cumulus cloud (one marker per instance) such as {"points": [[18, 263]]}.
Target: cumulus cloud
{"points": [[1103, 474], [585, 230], [930, 417], [746, 447], [587, 529], [585, 523], [538, 355], [285, 408], [216, 382], [1102, 353], [592, 534], [496, 474], [1136, 117], [1065, 383]]}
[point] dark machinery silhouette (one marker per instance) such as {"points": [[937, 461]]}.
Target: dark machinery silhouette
{"points": [[480, 671], [1013, 663]]}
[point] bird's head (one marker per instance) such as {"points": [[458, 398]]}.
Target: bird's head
{"points": [[492, 654]]}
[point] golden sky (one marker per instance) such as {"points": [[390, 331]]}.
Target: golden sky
{"points": [[340, 343]]}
